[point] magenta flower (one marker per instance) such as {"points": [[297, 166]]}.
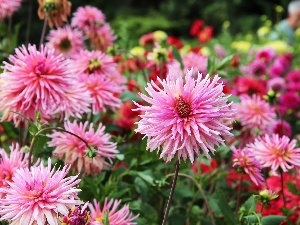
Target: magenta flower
{"points": [[290, 100], [36, 81], [39, 196], [9, 163], [277, 84], [244, 159], [8, 7], [185, 115], [282, 128], [257, 68], [122, 216], [254, 113], [266, 55], [73, 150], [66, 41], [276, 152], [276, 70]]}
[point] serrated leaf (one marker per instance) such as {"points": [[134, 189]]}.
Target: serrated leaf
{"points": [[177, 57], [225, 208], [272, 220]]}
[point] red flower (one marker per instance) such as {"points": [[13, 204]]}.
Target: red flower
{"points": [[249, 85], [204, 168], [175, 41], [205, 34], [147, 39], [197, 25]]}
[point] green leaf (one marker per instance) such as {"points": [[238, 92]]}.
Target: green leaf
{"points": [[120, 157], [39, 143], [177, 57], [293, 188], [225, 208], [252, 219], [129, 96], [250, 204], [224, 61], [105, 218], [149, 179], [272, 220]]}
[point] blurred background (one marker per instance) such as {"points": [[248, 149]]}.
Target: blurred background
{"points": [[175, 17]]}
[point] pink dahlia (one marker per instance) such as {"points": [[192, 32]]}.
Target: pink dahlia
{"points": [[104, 92], [122, 216], [97, 63], [39, 196], [276, 152], [254, 113], [66, 41], [257, 68], [282, 128], [102, 37], [244, 159], [73, 150], [185, 115], [9, 163], [8, 7], [36, 81], [87, 18]]}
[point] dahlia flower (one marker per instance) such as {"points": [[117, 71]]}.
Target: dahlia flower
{"points": [[73, 150], [122, 216], [97, 63], [255, 113], [77, 216], [56, 10], [37, 81], [266, 55], [87, 18], [244, 159], [197, 62], [65, 40], [39, 196], [185, 115], [8, 7], [276, 152], [9, 163], [102, 37]]}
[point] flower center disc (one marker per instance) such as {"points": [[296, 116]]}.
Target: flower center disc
{"points": [[182, 107]]}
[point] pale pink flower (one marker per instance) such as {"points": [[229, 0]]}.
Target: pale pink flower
{"points": [[66, 41], [36, 81], [10, 162], [220, 51], [39, 196], [87, 18], [73, 150], [184, 116], [104, 92], [254, 113], [244, 159], [277, 84], [8, 7], [197, 62], [276, 152], [116, 216]]}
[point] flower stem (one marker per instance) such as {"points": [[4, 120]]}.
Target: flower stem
{"points": [[239, 194], [29, 20], [46, 129], [198, 185], [44, 29], [171, 193], [282, 189]]}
